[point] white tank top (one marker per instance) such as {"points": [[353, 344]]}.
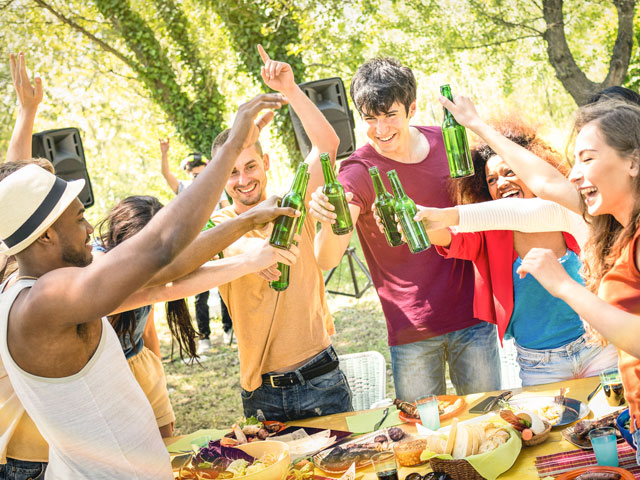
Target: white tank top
{"points": [[98, 422]]}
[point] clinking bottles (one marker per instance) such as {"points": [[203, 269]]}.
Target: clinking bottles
{"points": [[385, 208], [455, 142], [414, 232], [285, 227], [334, 191], [283, 282]]}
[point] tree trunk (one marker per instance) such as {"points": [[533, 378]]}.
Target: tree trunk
{"points": [[568, 72]]}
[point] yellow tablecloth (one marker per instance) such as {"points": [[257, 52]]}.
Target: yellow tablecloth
{"points": [[524, 467]]}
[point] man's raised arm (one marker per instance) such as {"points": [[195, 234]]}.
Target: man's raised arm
{"points": [[78, 295], [29, 97], [279, 76]]}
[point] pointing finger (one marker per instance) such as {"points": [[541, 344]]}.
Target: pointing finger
{"points": [[265, 57]]}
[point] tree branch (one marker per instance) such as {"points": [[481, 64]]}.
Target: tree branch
{"points": [[494, 44], [568, 72], [497, 19], [86, 33]]}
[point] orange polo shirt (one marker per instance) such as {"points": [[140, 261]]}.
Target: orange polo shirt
{"points": [[275, 332], [620, 287]]}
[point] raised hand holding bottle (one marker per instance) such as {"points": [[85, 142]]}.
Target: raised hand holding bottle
{"points": [[384, 205], [455, 142], [335, 193], [414, 232], [285, 227]]}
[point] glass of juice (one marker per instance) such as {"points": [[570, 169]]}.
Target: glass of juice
{"points": [[612, 387], [603, 441], [428, 410], [384, 464]]}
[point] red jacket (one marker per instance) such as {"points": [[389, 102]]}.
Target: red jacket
{"points": [[492, 255]]}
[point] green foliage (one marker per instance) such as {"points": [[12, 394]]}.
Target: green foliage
{"points": [[198, 117], [274, 24]]}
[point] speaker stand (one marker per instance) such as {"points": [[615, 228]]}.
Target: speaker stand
{"points": [[350, 253]]}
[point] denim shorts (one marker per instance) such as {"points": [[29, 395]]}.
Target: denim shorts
{"points": [[472, 354], [21, 470], [323, 395], [577, 359]]}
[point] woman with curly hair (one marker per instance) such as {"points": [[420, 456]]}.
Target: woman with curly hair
{"points": [[549, 335]]}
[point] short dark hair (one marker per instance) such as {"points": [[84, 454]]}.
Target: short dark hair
{"points": [[379, 83], [223, 136], [616, 92]]}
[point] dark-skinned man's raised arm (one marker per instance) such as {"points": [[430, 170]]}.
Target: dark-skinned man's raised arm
{"points": [[96, 290]]}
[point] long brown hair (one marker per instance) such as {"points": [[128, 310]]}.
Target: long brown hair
{"points": [[124, 220], [474, 189], [619, 124]]}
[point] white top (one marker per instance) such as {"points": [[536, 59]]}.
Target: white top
{"points": [[98, 422], [522, 215]]}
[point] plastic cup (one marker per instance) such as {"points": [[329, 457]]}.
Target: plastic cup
{"points": [[384, 464], [604, 443], [612, 387], [428, 410]]}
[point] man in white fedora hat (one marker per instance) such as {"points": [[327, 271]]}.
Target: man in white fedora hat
{"points": [[64, 360]]}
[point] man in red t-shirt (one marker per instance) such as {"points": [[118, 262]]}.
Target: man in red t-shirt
{"points": [[427, 300]]}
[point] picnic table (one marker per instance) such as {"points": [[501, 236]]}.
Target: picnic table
{"points": [[524, 467]]}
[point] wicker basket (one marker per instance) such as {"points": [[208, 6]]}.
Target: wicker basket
{"points": [[456, 469], [541, 437]]}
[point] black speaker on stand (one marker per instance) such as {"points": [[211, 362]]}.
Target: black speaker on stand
{"points": [[63, 148], [330, 97]]}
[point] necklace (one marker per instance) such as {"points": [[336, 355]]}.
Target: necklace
{"points": [[25, 277]]}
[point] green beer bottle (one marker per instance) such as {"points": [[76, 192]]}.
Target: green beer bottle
{"points": [[284, 227], [386, 211], [455, 142], [283, 282], [414, 232], [209, 225], [334, 191]]}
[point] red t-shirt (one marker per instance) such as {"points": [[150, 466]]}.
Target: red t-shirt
{"points": [[423, 295]]}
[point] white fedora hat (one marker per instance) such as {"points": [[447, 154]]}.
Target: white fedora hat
{"points": [[31, 200]]}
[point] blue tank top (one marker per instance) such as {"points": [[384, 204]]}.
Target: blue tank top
{"points": [[132, 348], [539, 320]]}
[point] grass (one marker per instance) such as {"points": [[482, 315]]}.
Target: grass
{"points": [[208, 395]]}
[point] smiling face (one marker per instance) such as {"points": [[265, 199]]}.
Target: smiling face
{"points": [[389, 131], [74, 236], [603, 176], [247, 185], [502, 182]]}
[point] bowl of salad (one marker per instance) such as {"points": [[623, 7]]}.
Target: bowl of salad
{"points": [[268, 460]]}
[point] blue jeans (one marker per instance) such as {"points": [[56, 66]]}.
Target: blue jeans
{"points": [[472, 353], [323, 395], [577, 359], [21, 470]]}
